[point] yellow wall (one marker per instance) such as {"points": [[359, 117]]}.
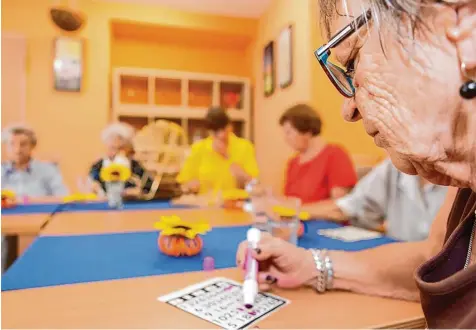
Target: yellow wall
{"points": [[272, 153], [137, 53], [70, 123], [310, 84]]}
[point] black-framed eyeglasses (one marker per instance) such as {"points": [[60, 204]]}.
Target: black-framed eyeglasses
{"points": [[338, 76]]}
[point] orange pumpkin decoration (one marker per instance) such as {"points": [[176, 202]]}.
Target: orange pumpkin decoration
{"points": [[178, 246], [8, 199], [233, 204], [180, 238]]}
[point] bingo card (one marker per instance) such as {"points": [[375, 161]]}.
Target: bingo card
{"points": [[220, 301]]}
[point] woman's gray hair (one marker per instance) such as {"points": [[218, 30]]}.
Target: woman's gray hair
{"points": [[123, 130], [389, 11], [18, 129]]}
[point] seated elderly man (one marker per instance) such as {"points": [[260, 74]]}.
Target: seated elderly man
{"points": [[406, 204], [25, 176], [117, 139]]}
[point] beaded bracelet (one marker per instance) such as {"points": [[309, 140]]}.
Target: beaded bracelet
{"points": [[325, 270]]}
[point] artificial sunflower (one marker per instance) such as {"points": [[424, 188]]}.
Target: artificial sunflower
{"points": [[235, 194], [79, 197], [289, 212], [174, 225], [8, 194], [115, 172], [8, 199]]}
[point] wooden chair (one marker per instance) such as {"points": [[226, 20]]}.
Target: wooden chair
{"points": [[160, 146]]}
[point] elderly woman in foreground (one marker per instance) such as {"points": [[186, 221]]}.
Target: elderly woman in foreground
{"points": [[407, 69]]}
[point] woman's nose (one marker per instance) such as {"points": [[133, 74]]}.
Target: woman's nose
{"points": [[350, 111]]}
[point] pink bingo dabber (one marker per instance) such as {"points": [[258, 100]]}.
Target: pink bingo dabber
{"points": [[250, 285]]}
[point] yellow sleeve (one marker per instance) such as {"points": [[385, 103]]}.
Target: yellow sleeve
{"points": [[250, 164], [189, 170]]}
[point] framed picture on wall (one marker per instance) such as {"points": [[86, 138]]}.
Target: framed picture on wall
{"points": [[268, 69], [68, 64], [285, 57]]}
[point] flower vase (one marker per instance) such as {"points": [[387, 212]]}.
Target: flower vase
{"points": [[114, 190]]}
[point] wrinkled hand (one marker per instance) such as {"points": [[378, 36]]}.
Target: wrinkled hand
{"points": [[97, 189], [280, 263], [191, 186]]}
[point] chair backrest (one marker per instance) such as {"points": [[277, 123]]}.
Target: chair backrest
{"points": [[161, 146], [364, 163]]}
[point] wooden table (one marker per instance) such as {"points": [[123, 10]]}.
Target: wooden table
{"points": [[132, 303], [25, 226], [81, 223]]}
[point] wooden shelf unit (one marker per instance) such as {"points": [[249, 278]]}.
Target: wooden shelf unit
{"points": [[182, 97]]}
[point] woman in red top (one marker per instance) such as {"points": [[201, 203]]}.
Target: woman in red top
{"points": [[319, 171]]}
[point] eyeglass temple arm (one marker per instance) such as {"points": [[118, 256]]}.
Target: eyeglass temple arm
{"points": [[345, 32]]}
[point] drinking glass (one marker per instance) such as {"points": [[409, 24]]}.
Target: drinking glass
{"points": [[114, 190], [282, 215]]}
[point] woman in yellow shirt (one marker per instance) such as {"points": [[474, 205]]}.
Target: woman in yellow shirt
{"points": [[220, 162]]}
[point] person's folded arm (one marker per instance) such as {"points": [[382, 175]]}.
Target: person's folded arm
{"points": [[365, 205], [55, 183], [188, 175], [93, 175], [388, 270], [249, 170]]}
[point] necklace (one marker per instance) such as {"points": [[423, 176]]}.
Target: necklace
{"points": [[471, 239]]}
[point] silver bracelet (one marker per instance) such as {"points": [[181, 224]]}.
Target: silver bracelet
{"points": [[325, 270], [321, 271], [329, 271]]}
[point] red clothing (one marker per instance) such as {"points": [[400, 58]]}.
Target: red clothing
{"points": [[313, 180]]}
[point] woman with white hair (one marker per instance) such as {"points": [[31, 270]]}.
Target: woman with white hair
{"points": [[407, 69], [117, 138]]}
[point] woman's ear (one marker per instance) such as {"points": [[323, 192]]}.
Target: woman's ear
{"points": [[463, 34]]}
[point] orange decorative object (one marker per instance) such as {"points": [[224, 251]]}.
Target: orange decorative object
{"points": [[233, 204], [178, 246], [179, 238], [8, 199]]}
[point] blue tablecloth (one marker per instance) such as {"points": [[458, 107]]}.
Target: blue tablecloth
{"points": [[81, 207], [77, 259]]}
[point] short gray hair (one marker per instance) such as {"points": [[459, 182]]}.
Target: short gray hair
{"points": [[388, 11], [17, 130], [123, 130]]}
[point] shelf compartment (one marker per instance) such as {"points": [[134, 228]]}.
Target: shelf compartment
{"points": [[136, 122], [231, 95], [168, 92], [200, 93], [197, 130], [238, 128], [134, 90]]}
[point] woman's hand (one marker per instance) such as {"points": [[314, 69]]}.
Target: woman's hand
{"points": [[280, 263], [239, 173], [97, 189], [191, 186]]}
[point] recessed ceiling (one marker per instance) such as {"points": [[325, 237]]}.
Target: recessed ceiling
{"points": [[238, 8]]}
